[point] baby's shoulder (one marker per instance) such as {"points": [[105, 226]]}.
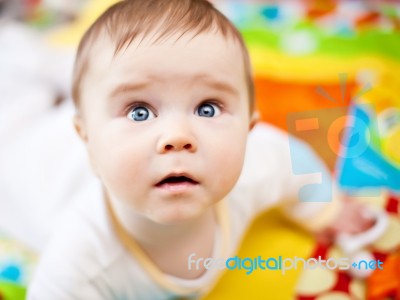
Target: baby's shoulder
{"points": [[83, 241], [78, 256]]}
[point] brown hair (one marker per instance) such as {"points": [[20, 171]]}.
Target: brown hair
{"points": [[128, 19]]}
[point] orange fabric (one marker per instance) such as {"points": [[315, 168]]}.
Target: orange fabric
{"points": [[282, 103], [277, 98], [386, 282]]}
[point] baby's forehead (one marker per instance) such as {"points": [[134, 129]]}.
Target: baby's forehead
{"points": [[212, 44], [208, 53], [206, 59], [159, 40], [179, 46]]}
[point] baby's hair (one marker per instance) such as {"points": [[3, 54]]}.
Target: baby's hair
{"points": [[127, 20]]}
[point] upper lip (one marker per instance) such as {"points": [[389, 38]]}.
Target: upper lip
{"points": [[178, 174]]}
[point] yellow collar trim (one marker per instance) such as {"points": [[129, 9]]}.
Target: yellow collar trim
{"points": [[148, 265]]}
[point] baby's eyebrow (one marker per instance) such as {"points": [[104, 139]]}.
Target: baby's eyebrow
{"points": [[211, 82], [128, 87], [222, 86], [217, 83]]}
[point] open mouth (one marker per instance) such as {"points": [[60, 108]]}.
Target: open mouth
{"points": [[176, 180]]}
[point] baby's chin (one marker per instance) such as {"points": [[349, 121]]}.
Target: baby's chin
{"points": [[176, 213]]}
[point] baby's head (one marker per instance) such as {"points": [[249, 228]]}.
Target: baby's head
{"points": [[156, 21], [164, 99]]}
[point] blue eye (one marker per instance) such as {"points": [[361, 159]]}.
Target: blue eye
{"points": [[208, 110], [140, 114]]}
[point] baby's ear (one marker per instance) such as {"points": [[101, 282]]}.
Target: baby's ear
{"points": [[80, 128], [255, 117]]}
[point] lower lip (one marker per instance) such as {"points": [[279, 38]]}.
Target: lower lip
{"points": [[177, 187]]}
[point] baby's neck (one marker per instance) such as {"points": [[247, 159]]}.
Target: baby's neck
{"points": [[169, 246]]}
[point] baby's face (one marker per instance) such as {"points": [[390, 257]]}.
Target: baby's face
{"points": [[166, 124]]}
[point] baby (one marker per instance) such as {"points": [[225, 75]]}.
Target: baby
{"points": [[164, 100]]}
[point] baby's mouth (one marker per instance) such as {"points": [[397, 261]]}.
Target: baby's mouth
{"points": [[177, 180]]}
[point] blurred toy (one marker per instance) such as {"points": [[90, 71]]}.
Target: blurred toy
{"points": [[335, 284], [298, 48], [389, 125], [42, 14], [354, 245], [362, 163]]}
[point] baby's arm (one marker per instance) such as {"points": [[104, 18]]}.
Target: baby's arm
{"points": [[337, 213], [310, 199]]}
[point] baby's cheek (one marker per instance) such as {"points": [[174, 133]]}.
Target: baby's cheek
{"points": [[228, 166], [120, 172]]}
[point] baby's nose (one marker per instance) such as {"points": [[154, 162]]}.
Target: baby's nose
{"points": [[177, 139], [178, 146]]}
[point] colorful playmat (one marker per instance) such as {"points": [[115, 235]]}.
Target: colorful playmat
{"points": [[16, 266], [316, 64], [273, 236]]}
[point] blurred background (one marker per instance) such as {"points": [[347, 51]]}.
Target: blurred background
{"points": [[325, 71]]}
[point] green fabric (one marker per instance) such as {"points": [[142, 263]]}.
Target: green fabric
{"points": [[368, 42], [11, 291]]}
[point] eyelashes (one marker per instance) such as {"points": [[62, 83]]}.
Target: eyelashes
{"points": [[141, 111], [208, 110]]}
